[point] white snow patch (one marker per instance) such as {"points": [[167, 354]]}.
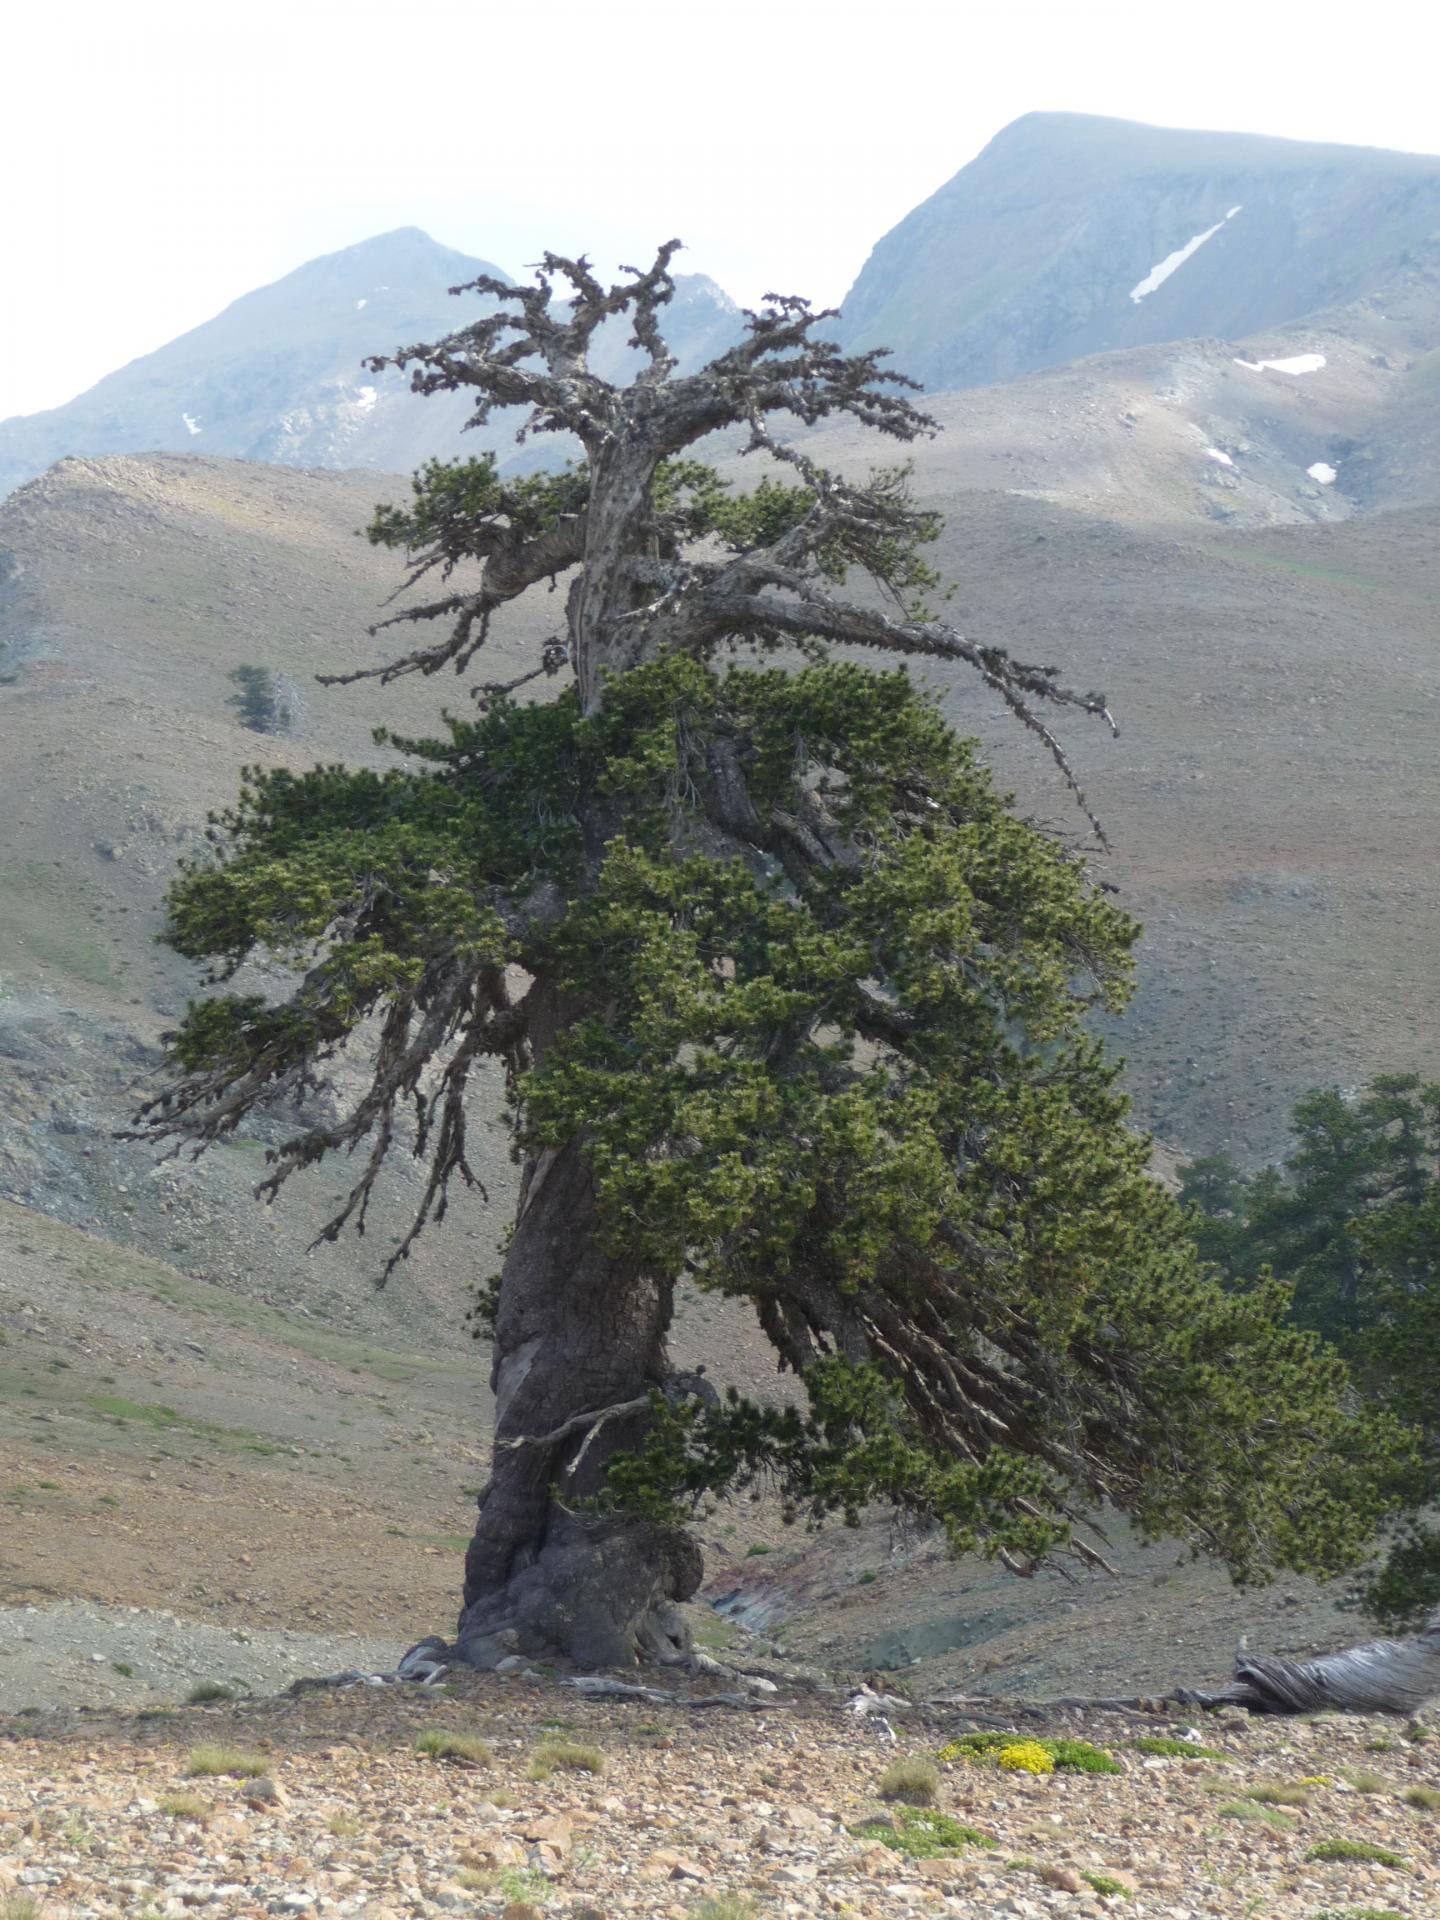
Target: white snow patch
{"points": [[1322, 472], [1297, 363], [1215, 453], [365, 398], [191, 422], [361, 303], [1158, 275]]}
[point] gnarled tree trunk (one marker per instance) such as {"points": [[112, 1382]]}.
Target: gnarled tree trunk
{"points": [[577, 1332]]}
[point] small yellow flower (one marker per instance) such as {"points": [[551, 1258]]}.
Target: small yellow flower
{"points": [[1026, 1756]]}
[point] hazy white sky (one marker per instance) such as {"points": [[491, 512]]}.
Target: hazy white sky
{"points": [[160, 159]]}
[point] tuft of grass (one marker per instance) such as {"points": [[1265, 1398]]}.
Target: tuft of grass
{"points": [[187, 1806], [19, 1906], [1165, 1747], [207, 1693], [1079, 1756], [1358, 1913], [344, 1826], [724, 1906], [1252, 1810], [123, 1668], [1274, 1793], [520, 1884], [468, 1749], [1105, 1883], [212, 1759], [1424, 1799], [1364, 1782], [974, 1746], [754, 1552], [1357, 1853], [914, 1780], [573, 1756], [923, 1834]]}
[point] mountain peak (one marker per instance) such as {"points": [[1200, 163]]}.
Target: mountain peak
{"points": [[283, 373], [1071, 234]]}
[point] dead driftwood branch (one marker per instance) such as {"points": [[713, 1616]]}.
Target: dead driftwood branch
{"points": [[1382, 1676]]}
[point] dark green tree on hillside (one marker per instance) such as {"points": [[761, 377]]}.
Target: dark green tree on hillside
{"points": [[1352, 1157], [788, 1001], [265, 701], [1351, 1225], [1398, 1245]]}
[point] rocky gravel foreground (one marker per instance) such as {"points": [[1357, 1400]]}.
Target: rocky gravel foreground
{"points": [[588, 1809]]}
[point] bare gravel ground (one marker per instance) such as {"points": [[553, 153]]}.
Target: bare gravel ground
{"points": [[77, 1654], [685, 1806]]}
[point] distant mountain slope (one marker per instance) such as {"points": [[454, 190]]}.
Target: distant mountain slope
{"points": [[1271, 801], [1073, 235], [1316, 421], [129, 591], [279, 375]]}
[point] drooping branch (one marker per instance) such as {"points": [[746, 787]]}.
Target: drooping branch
{"points": [[455, 1005], [732, 606], [429, 1038], [514, 561]]}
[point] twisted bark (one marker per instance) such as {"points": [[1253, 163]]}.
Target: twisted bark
{"points": [[577, 1333], [1382, 1676]]}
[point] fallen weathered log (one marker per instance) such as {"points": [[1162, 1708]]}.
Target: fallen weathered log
{"points": [[1382, 1676]]}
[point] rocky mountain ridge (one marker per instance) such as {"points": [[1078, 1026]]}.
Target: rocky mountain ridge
{"points": [[1072, 235], [279, 376]]}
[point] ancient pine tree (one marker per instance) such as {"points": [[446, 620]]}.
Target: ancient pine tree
{"points": [[787, 1001]]}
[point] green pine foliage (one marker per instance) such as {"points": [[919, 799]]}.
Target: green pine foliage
{"points": [[858, 1091]]}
